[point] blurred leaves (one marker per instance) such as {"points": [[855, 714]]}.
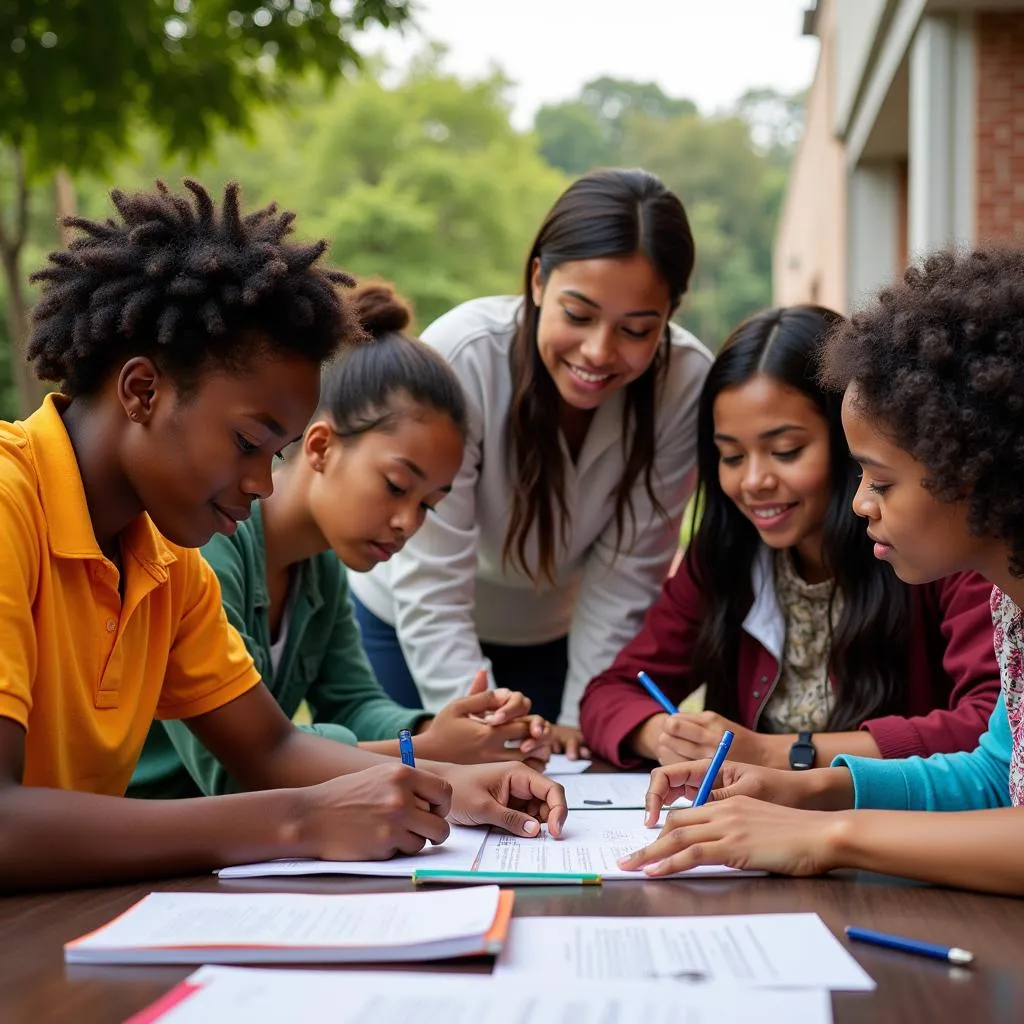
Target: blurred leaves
{"points": [[77, 77], [425, 183], [419, 177], [81, 79]]}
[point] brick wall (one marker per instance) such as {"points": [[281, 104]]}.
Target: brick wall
{"points": [[1000, 125]]}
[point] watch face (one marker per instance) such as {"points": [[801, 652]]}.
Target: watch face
{"points": [[801, 756]]}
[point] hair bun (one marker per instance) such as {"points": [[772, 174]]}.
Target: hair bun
{"points": [[381, 310]]}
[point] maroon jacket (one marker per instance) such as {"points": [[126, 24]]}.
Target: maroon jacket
{"points": [[952, 683]]}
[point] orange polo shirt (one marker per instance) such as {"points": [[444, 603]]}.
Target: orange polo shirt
{"points": [[82, 672]]}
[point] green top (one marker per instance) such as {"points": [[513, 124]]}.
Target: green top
{"points": [[323, 663]]}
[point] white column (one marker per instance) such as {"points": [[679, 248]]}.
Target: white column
{"points": [[941, 134], [872, 209]]}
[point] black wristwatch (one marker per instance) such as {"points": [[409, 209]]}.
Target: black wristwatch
{"points": [[801, 754]]}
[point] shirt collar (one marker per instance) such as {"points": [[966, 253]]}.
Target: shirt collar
{"points": [[69, 524], [307, 585]]}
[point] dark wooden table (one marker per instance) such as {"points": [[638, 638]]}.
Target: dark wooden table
{"points": [[37, 988]]}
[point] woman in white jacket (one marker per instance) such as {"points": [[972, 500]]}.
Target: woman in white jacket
{"points": [[563, 520]]}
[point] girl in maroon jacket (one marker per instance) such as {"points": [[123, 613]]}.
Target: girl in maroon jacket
{"points": [[808, 646]]}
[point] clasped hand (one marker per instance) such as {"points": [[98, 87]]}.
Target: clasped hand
{"points": [[487, 725]]}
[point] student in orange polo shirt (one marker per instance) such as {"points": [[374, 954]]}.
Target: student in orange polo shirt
{"points": [[187, 342]]}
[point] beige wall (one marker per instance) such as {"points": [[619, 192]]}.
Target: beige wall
{"points": [[810, 243]]}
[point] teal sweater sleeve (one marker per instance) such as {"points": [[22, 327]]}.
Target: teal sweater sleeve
{"points": [[210, 776], [965, 781], [346, 689]]}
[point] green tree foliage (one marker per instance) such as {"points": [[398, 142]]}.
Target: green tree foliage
{"points": [[8, 399], [79, 77], [613, 101], [420, 179], [588, 132], [776, 121], [729, 169], [571, 138], [424, 183]]}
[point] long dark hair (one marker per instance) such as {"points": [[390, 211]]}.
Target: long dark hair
{"points": [[874, 625], [604, 214]]}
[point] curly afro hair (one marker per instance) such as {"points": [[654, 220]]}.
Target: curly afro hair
{"points": [[186, 285], [938, 363]]}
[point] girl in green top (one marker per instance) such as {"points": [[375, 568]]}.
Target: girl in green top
{"points": [[381, 451]]}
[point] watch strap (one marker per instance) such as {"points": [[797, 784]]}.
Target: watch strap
{"points": [[802, 752]]}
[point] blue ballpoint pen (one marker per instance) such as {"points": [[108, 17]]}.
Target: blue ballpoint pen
{"points": [[655, 691], [405, 747], [952, 954], [712, 773]]}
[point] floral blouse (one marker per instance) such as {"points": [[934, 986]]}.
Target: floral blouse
{"points": [[1008, 637], [801, 698]]}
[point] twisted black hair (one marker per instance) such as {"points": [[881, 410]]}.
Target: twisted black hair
{"points": [[938, 363], [175, 281]]}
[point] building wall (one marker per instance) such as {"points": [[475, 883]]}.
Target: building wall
{"points": [[810, 242], [857, 28], [1000, 126]]}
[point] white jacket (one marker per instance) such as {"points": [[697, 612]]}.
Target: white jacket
{"points": [[446, 590]]}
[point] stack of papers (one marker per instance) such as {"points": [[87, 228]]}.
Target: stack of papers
{"points": [[202, 928], [314, 997]]}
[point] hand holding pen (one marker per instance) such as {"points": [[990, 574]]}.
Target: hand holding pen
{"points": [[695, 735], [731, 829], [714, 767]]}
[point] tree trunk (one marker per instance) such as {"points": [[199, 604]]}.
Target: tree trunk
{"points": [[17, 331], [12, 240], [66, 203]]}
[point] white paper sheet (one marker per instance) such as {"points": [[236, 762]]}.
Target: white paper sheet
{"points": [[457, 853], [770, 950], [269, 997], [559, 764], [609, 791], [592, 843], [190, 927]]}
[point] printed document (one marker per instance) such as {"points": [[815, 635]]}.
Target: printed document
{"points": [[592, 843], [764, 950], [354, 997]]}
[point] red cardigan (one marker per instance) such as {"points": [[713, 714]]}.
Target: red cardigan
{"points": [[952, 684]]}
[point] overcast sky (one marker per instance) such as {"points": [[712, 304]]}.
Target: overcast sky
{"points": [[710, 51]]}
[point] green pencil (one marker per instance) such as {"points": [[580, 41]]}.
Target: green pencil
{"points": [[508, 877]]}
